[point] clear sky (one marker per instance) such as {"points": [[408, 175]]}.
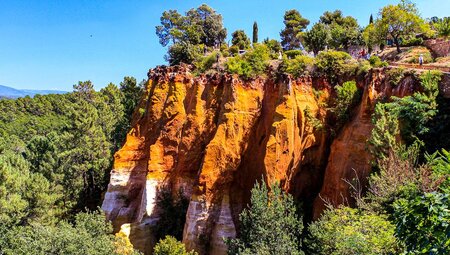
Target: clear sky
{"points": [[53, 44]]}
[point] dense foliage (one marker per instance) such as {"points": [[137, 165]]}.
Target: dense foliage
{"points": [[250, 64], [188, 34], [294, 25], [401, 21], [270, 225], [346, 231], [88, 235], [171, 246], [55, 156]]}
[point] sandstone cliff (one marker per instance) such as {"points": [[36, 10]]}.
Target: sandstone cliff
{"points": [[213, 136]]}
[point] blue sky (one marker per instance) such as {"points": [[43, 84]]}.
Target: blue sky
{"points": [[48, 44]]}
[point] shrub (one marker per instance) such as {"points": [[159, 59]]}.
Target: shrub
{"points": [[171, 246], [347, 96], [183, 53], [293, 53], [347, 231], [205, 63], [443, 27], [383, 138], [251, 64], [335, 64], [412, 42], [375, 61], [233, 50], [274, 47], [90, 234], [440, 164], [363, 67], [297, 66], [395, 75], [224, 50], [423, 223], [269, 226], [312, 120]]}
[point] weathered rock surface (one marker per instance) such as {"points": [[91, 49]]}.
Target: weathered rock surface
{"points": [[212, 137]]}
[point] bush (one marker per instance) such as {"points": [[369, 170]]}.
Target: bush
{"points": [[89, 235], [205, 63], [297, 66], [293, 53], [251, 64], [274, 47], [347, 96], [335, 64], [171, 246], [412, 42], [443, 27], [346, 231], [363, 67], [269, 226], [440, 164], [183, 53], [423, 223], [375, 61], [395, 75], [224, 50], [233, 50]]}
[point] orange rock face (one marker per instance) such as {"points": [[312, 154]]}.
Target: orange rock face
{"points": [[213, 137]]}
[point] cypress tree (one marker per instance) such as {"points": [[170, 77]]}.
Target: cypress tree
{"points": [[255, 32]]}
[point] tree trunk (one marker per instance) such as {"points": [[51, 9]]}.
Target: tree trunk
{"points": [[397, 43]]}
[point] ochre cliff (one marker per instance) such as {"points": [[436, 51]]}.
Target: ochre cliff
{"points": [[212, 137]]}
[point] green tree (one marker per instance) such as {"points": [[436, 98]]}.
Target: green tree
{"points": [[423, 223], [274, 47], [294, 25], [400, 22], [171, 246], [316, 39], [188, 34], [344, 31], [347, 96], [370, 36], [89, 235], [240, 39], [383, 138], [347, 231], [442, 27], [24, 196], [183, 52], [269, 226], [255, 32], [212, 32], [253, 63]]}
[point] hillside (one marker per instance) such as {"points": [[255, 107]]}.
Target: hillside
{"points": [[8, 92]]}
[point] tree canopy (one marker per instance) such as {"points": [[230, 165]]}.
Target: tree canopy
{"points": [[294, 25]]}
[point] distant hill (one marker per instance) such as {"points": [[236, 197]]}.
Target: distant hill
{"points": [[9, 92]]}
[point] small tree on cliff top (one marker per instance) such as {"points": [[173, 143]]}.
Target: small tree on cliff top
{"points": [[270, 225], [400, 21]]}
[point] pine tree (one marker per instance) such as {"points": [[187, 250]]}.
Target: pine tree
{"points": [[294, 26], [255, 32], [269, 226]]}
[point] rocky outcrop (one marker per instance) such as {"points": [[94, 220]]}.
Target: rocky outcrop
{"points": [[210, 138]]}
